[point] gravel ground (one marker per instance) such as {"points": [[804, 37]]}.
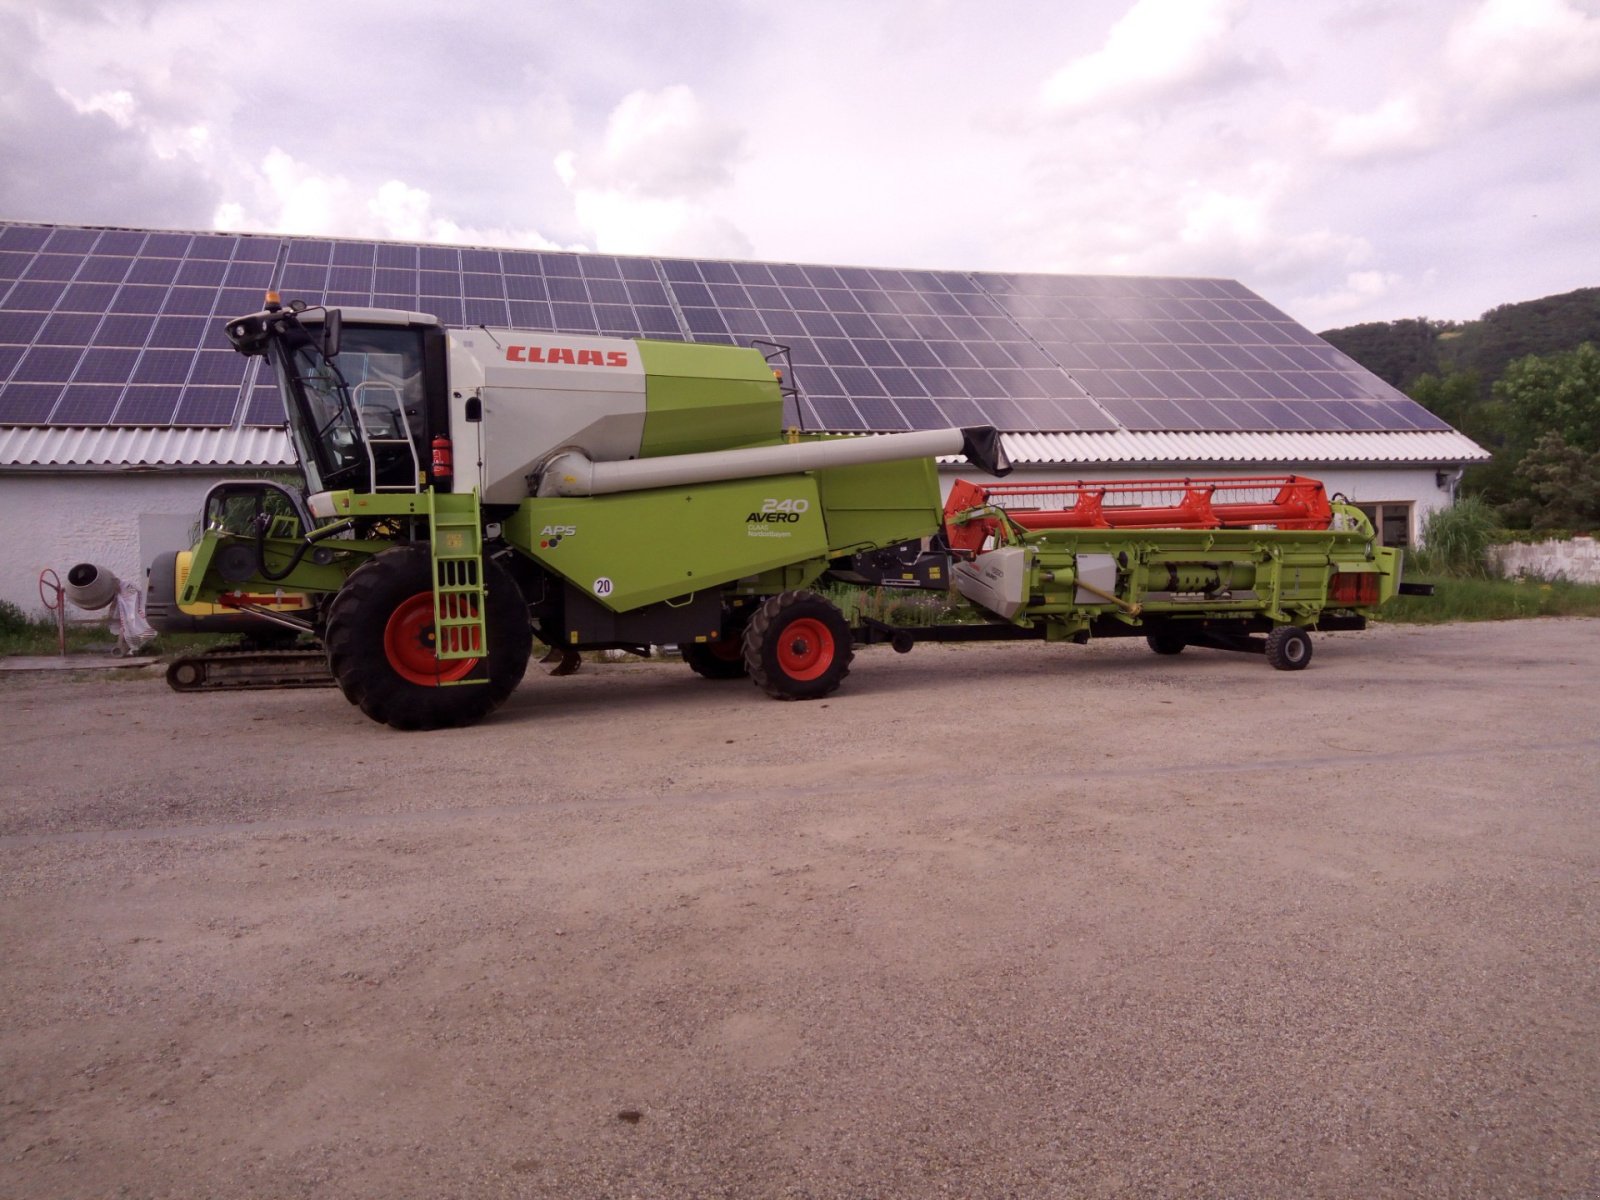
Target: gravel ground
{"points": [[992, 921]]}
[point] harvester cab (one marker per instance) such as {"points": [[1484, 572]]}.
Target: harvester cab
{"points": [[360, 409]]}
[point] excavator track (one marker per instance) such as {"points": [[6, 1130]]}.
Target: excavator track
{"points": [[242, 670]]}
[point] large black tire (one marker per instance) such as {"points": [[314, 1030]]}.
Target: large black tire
{"points": [[798, 646], [722, 659], [1166, 641], [380, 630], [1288, 648]]}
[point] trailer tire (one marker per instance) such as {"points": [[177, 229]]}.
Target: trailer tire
{"points": [[384, 607], [798, 646], [722, 659], [1288, 648], [1166, 641]]}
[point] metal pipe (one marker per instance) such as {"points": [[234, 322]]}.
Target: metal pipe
{"points": [[574, 473]]}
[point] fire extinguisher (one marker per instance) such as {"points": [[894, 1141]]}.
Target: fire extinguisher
{"points": [[443, 463]]}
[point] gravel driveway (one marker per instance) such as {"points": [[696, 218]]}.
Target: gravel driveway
{"points": [[1015, 920]]}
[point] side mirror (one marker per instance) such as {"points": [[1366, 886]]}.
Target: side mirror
{"points": [[330, 333]]}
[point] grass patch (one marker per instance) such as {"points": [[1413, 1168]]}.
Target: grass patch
{"points": [[1457, 599], [910, 607], [37, 636]]}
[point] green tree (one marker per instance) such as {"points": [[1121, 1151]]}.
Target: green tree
{"points": [[1557, 393], [1510, 332], [1458, 399], [1563, 483], [1453, 397], [1395, 351]]}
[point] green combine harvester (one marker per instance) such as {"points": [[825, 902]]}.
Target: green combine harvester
{"points": [[470, 488]]}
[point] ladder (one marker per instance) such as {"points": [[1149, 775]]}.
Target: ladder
{"points": [[395, 415], [456, 536]]}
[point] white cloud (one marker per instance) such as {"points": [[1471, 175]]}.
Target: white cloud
{"points": [[119, 105], [664, 143], [1161, 49], [1402, 124], [1508, 50], [1357, 293], [289, 196], [648, 187], [1500, 56]]}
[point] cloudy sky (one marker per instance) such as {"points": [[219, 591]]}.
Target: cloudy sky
{"points": [[1350, 160]]}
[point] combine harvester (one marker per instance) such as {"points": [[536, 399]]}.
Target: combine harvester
{"points": [[468, 488]]}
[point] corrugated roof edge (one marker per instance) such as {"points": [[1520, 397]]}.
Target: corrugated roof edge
{"points": [[30, 447], [1134, 448], [24, 447]]}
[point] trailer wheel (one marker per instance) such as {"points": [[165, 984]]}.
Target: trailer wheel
{"points": [[798, 646], [1288, 648], [722, 659], [1166, 641], [380, 644]]}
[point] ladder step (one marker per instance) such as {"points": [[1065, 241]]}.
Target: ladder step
{"points": [[456, 539]]}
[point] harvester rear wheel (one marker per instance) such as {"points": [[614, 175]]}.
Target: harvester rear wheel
{"points": [[723, 659], [798, 646], [1288, 648], [1166, 641], [380, 644]]}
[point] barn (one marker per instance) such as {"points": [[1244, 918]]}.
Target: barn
{"points": [[121, 402]]}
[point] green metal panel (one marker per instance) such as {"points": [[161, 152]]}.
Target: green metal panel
{"points": [[204, 584], [701, 398], [1076, 575], [879, 504], [637, 548]]}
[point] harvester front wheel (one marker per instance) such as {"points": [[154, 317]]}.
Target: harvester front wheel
{"points": [[380, 642], [1288, 648], [798, 646]]}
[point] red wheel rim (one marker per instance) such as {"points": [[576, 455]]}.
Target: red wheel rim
{"points": [[409, 643], [805, 649]]}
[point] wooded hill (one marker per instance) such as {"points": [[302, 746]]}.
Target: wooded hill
{"points": [[1522, 381], [1400, 352]]}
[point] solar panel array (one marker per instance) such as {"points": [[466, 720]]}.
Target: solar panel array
{"points": [[123, 327]]}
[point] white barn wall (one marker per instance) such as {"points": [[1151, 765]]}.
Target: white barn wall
{"points": [[56, 520], [1418, 486]]}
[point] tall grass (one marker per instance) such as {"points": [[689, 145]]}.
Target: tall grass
{"points": [[1457, 599], [1456, 540]]}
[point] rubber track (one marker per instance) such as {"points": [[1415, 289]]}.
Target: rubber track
{"points": [[250, 670]]}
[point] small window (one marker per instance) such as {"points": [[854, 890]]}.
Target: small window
{"points": [[1392, 520]]}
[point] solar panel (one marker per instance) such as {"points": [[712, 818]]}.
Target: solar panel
{"points": [[123, 326]]}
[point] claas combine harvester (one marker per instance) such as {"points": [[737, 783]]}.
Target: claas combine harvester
{"points": [[469, 488]]}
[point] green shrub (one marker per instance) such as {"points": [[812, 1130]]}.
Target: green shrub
{"points": [[1456, 540], [12, 619]]}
